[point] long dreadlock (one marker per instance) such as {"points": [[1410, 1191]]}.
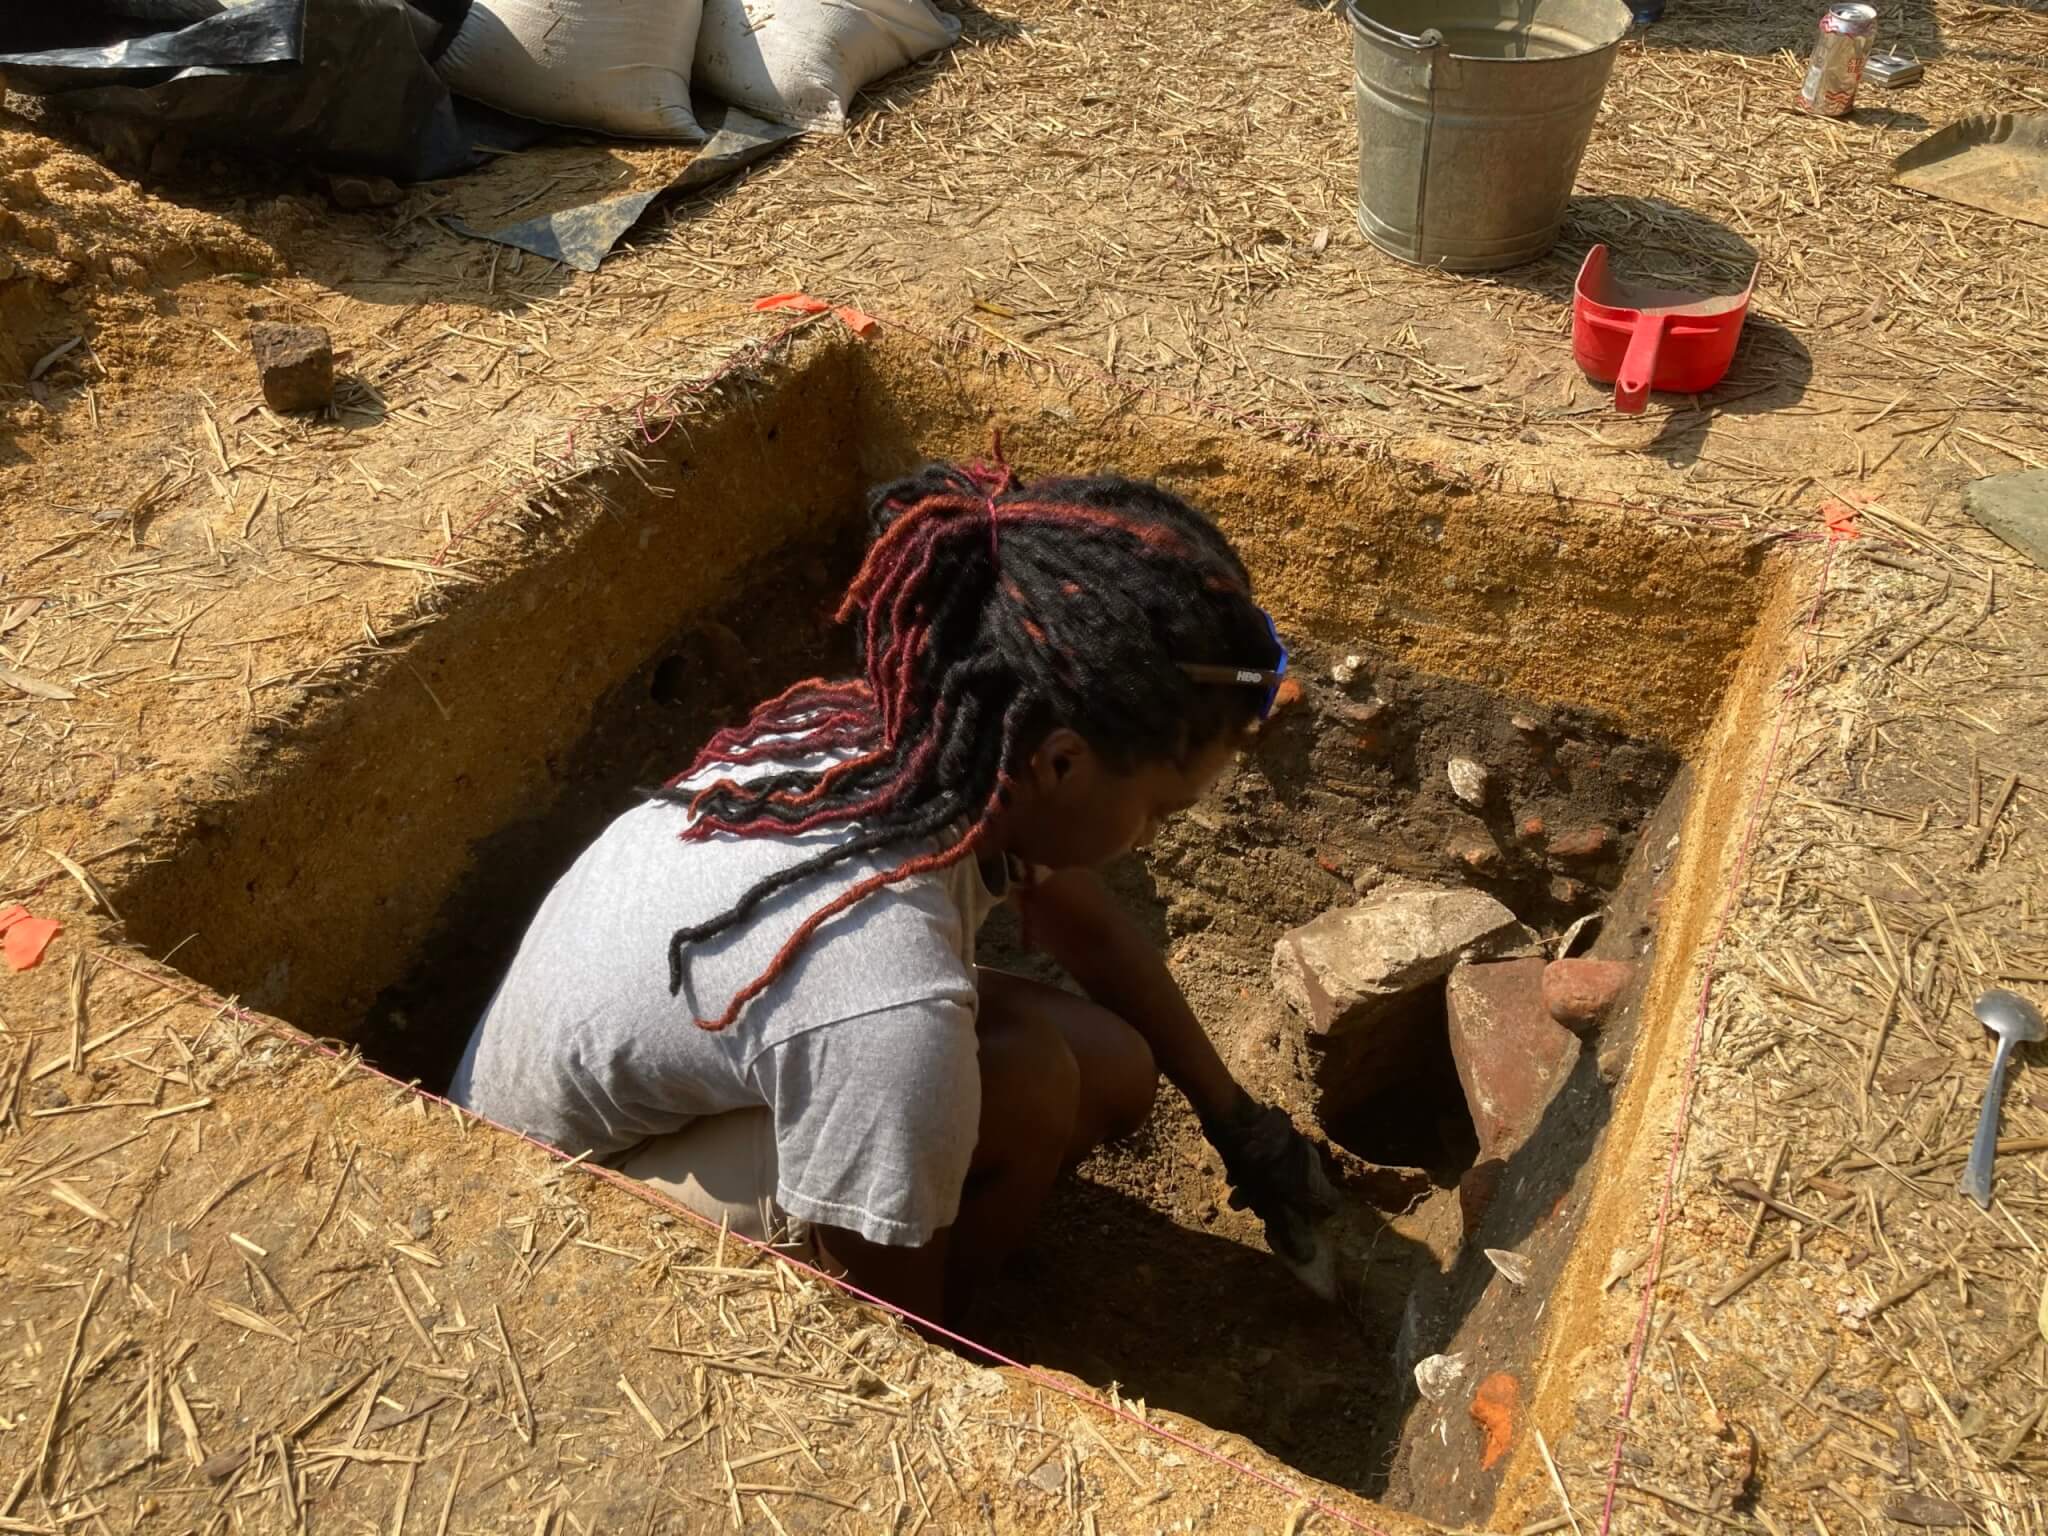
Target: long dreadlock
{"points": [[990, 612]]}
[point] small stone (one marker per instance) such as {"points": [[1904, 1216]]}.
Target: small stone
{"points": [[1513, 1266], [1363, 714], [1478, 855], [422, 1224], [1579, 993], [1567, 892], [1469, 781], [297, 364], [1511, 1056], [1050, 1475], [1926, 1511], [1437, 1377], [1611, 1061], [1348, 968], [356, 192], [1586, 843], [1344, 671], [1527, 725], [1533, 829]]}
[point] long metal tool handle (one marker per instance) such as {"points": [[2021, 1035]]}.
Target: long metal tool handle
{"points": [[1977, 1173]]}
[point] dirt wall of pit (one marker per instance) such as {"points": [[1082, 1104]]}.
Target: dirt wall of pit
{"points": [[1577, 1357], [305, 880], [1614, 611]]}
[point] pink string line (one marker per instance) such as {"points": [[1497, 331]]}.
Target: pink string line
{"points": [[1682, 1124], [652, 1196]]}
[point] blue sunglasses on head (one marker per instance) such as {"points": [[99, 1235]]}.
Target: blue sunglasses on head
{"points": [[1249, 677]]}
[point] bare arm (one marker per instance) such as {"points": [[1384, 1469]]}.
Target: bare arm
{"points": [[1082, 926]]}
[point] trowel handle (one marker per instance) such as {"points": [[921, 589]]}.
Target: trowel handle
{"points": [[1639, 366], [1984, 1146]]}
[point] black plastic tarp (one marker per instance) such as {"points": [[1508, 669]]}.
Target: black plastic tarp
{"points": [[342, 84]]}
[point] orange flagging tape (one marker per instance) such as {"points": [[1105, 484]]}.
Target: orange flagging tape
{"points": [[1843, 520], [858, 321], [24, 938], [796, 303]]}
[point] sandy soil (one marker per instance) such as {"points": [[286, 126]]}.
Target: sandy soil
{"points": [[1161, 195]]}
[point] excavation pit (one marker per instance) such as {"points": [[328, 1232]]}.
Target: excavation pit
{"points": [[370, 871]]}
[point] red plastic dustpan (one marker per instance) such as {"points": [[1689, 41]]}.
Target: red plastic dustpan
{"points": [[1652, 338]]}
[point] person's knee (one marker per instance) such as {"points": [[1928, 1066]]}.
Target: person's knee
{"points": [[1055, 1079], [1134, 1083], [1031, 1088]]}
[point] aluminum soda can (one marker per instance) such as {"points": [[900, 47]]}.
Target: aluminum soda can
{"points": [[1836, 69]]}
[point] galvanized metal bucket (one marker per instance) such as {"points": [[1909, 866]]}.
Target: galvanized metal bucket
{"points": [[1472, 116]]}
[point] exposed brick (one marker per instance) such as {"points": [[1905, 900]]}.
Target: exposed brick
{"points": [[1512, 1057], [1586, 843], [1579, 993], [297, 364], [1493, 1410]]}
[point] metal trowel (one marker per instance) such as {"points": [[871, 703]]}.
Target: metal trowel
{"points": [[2014, 1020]]}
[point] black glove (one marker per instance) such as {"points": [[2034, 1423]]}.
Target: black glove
{"points": [[1277, 1173]]}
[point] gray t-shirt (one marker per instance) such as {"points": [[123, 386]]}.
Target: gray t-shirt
{"points": [[864, 1048]]}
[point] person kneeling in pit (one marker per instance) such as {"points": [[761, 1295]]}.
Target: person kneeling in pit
{"points": [[758, 990]]}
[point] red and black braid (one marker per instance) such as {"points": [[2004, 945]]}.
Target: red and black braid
{"points": [[990, 611]]}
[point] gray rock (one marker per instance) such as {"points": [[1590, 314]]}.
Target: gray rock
{"points": [[1469, 781], [1349, 967], [2015, 507]]}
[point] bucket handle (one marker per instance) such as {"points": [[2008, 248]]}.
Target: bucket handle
{"points": [[1428, 40]]}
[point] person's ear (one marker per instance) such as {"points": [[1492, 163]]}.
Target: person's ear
{"points": [[1058, 758]]}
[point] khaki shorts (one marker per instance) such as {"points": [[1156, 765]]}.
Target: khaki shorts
{"points": [[723, 1168]]}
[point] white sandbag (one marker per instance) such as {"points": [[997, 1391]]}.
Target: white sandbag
{"points": [[619, 66], [800, 61]]}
